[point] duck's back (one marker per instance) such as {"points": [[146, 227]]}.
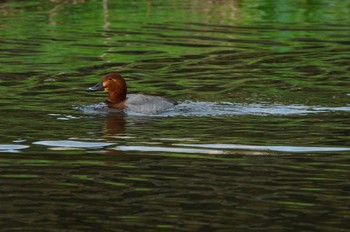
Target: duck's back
{"points": [[147, 104]]}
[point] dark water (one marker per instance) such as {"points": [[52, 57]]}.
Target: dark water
{"points": [[259, 140]]}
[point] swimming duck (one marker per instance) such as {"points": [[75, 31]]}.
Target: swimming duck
{"points": [[115, 85]]}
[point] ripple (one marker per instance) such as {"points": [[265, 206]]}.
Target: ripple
{"points": [[220, 149], [12, 147], [64, 116], [191, 108], [169, 149], [74, 144], [98, 108], [291, 149]]}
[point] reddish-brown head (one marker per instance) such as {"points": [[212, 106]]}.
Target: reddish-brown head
{"points": [[114, 84]]}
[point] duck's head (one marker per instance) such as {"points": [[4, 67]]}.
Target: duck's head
{"points": [[114, 84]]}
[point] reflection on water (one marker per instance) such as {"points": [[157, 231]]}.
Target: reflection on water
{"points": [[76, 144], [11, 147], [259, 139], [115, 124], [288, 149]]}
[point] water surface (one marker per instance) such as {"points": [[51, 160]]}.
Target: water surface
{"points": [[259, 139]]}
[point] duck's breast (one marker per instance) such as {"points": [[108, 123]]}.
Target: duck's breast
{"points": [[147, 104]]}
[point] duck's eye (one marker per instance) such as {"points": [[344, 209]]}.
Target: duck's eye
{"points": [[110, 79]]}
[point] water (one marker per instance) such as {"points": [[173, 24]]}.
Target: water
{"points": [[258, 140]]}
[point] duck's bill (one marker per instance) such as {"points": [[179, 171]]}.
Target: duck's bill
{"points": [[97, 87]]}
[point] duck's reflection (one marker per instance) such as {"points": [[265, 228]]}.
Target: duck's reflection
{"points": [[115, 123]]}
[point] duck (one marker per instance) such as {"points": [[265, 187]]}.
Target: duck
{"points": [[118, 98]]}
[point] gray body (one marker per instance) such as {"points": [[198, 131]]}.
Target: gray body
{"points": [[147, 104]]}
